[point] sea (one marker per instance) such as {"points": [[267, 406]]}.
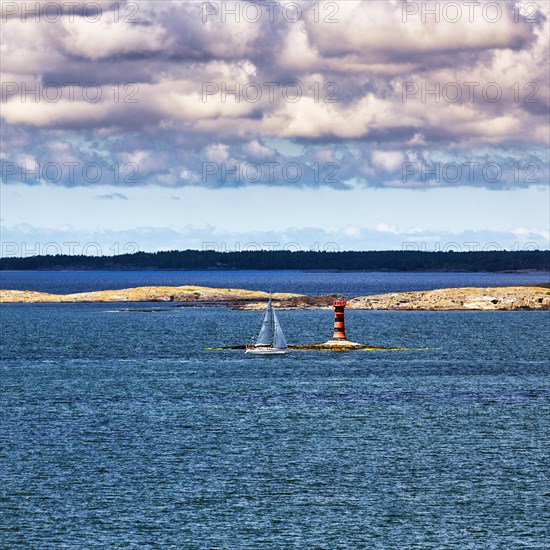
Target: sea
{"points": [[121, 427]]}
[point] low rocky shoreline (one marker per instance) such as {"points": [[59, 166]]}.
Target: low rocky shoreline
{"points": [[145, 294], [493, 298]]}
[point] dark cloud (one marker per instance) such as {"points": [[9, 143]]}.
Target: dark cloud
{"points": [[153, 124]]}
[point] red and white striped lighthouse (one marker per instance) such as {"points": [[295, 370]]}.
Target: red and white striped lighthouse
{"points": [[339, 326]]}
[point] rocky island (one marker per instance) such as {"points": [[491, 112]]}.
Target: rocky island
{"points": [[492, 298]]}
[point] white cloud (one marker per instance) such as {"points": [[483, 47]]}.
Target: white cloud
{"points": [[105, 38], [388, 160], [26, 239], [391, 27], [367, 53], [258, 151], [217, 152], [386, 228]]}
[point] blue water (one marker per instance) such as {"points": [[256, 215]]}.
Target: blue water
{"points": [[303, 282], [119, 430]]}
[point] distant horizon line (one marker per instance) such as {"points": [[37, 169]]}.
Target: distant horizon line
{"points": [[268, 251]]}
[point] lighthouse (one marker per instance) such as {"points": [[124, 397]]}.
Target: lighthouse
{"points": [[339, 340], [339, 325]]}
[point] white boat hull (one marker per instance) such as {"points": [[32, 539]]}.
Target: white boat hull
{"points": [[266, 351]]}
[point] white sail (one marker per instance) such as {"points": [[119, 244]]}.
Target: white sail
{"points": [[271, 340], [279, 341], [266, 332]]}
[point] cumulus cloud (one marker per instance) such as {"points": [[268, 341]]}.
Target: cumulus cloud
{"points": [[21, 239], [106, 38], [365, 86], [372, 28], [258, 151], [217, 152], [388, 160]]}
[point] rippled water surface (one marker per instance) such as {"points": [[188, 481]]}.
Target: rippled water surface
{"points": [[119, 430], [304, 282]]}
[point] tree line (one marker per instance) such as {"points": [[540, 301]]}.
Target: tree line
{"points": [[300, 260]]}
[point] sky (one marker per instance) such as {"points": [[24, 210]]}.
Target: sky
{"points": [[242, 125]]}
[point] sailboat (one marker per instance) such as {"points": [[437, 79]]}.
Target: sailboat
{"points": [[271, 340]]}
